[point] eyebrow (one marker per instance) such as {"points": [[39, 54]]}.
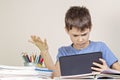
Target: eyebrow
{"points": [[83, 34]]}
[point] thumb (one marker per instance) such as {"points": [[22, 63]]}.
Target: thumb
{"points": [[31, 41], [45, 41]]}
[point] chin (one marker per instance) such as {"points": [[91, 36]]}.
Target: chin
{"points": [[82, 45]]}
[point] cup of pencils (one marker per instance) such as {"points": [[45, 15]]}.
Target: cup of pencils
{"points": [[32, 60]]}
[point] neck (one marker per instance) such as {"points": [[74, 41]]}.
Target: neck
{"points": [[80, 47]]}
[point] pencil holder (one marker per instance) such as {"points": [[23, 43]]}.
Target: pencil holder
{"points": [[33, 60], [32, 64], [29, 64]]}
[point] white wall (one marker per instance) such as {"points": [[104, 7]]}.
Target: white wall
{"points": [[21, 18]]}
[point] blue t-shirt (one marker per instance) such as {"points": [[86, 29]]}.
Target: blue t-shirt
{"points": [[107, 54]]}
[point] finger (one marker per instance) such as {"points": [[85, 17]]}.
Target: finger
{"points": [[103, 61], [33, 37], [97, 64], [31, 41], [39, 39], [96, 69]]}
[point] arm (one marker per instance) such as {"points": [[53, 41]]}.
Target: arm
{"points": [[50, 65], [43, 47], [115, 66]]}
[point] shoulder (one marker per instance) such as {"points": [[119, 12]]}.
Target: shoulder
{"points": [[98, 43], [63, 48]]}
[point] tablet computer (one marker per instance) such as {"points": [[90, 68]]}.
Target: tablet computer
{"points": [[78, 64]]}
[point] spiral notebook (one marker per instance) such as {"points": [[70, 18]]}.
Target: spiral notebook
{"points": [[78, 64]]}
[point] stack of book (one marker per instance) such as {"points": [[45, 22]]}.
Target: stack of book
{"points": [[24, 71]]}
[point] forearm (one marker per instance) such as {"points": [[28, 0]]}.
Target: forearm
{"points": [[116, 66], [50, 65], [48, 60]]}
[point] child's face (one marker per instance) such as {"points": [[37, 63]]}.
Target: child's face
{"points": [[79, 38]]}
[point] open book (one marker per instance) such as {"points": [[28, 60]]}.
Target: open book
{"points": [[110, 73]]}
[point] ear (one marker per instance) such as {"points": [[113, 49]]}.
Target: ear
{"points": [[66, 30], [90, 29]]}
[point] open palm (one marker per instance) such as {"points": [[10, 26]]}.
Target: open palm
{"points": [[42, 45]]}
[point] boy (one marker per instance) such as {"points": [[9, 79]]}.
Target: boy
{"points": [[78, 27]]}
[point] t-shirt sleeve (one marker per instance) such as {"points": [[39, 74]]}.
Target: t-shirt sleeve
{"points": [[59, 54], [108, 55]]}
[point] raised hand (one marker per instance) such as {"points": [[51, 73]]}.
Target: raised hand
{"points": [[42, 45]]}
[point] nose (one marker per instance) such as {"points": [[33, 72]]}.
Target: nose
{"points": [[80, 39]]}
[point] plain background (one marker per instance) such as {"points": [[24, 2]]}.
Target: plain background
{"points": [[19, 19]]}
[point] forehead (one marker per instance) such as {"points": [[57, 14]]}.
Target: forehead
{"points": [[75, 30]]}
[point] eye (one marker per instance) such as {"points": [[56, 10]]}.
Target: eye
{"points": [[75, 35], [84, 34]]}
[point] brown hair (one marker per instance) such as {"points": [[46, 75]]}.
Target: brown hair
{"points": [[78, 17]]}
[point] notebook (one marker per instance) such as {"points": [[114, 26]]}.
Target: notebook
{"points": [[78, 64]]}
